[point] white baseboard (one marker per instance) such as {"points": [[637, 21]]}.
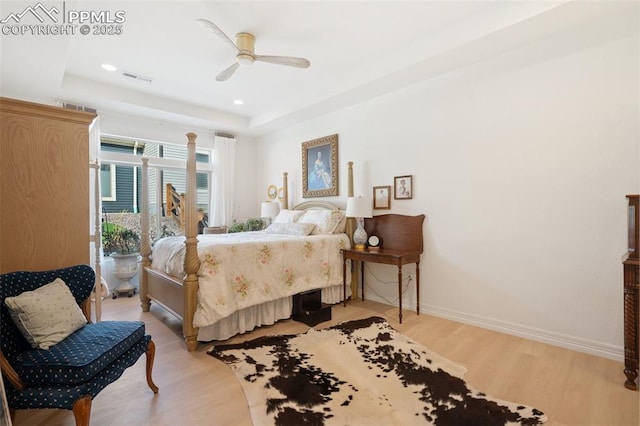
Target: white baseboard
{"points": [[578, 344], [591, 347]]}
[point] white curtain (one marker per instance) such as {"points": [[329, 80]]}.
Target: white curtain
{"points": [[95, 206], [224, 160]]}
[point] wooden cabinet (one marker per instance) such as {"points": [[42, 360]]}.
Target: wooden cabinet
{"points": [[44, 186], [631, 268]]}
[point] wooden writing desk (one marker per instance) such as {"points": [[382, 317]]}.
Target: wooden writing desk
{"points": [[631, 299], [401, 244]]}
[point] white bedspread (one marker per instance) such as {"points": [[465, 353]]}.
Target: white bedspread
{"points": [[244, 269]]}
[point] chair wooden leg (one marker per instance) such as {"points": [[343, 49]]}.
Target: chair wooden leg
{"points": [[82, 410], [151, 354]]}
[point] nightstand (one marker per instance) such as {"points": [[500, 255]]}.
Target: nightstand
{"points": [[386, 256], [400, 242]]}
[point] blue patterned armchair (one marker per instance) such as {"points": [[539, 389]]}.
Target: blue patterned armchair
{"points": [[68, 374]]}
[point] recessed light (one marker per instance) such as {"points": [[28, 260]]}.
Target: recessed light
{"points": [[108, 67], [238, 102]]}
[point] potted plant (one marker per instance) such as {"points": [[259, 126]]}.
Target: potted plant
{"points": [[123, 245], [119, 240], [252, 224]]}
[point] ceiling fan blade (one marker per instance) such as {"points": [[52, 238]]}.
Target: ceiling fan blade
{"points": [[284, 60], [224, 75], [218, 32]]}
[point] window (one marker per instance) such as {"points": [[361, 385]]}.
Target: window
{"points": [[202, 179], [108, 182], [121, 174]]}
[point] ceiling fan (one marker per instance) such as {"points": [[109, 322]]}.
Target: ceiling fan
{"points": [[245, 54]]}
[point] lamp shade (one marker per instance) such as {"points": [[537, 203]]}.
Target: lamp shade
{"points": [[269, 209], [358, 207]]}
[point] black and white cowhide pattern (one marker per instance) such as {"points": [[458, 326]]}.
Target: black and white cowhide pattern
{"points": [[360, 373]]}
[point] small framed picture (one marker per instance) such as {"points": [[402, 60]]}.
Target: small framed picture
{"points": [[382, 197], [403, 187]]}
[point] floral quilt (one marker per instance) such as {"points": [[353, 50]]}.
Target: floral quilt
{"points": [[248, 268]]}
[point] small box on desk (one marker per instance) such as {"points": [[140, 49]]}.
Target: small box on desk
{"points": [[309, 309]]}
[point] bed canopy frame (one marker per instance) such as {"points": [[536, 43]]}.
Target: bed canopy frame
{"points": [[180, 297]]}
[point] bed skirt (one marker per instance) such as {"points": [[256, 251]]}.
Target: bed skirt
{"points": [[267, 313]]}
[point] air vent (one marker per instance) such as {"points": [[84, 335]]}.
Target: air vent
{"points": [[78, 107], [225, 135], [137, 77]]}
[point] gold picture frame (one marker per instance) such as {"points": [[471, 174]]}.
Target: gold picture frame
{"points": [[382, 197], [320, 167], [403, 187]]}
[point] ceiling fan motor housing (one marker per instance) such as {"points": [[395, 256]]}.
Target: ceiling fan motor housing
{"points": [[245, 43]]}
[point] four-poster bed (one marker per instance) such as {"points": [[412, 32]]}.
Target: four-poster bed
{"points": [[211, 266]]}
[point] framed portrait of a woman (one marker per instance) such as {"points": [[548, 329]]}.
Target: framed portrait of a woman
{"points": [[320, 167]]}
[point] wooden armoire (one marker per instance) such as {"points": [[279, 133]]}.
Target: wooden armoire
{"points": [[44, 186]]}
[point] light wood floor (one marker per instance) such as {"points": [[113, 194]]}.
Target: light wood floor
{"points": [[196, 389]]}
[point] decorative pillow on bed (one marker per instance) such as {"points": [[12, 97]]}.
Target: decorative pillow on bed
{"points": [[288, 216], [342, 225], [299, 229], [46, 316], [326, 221]]}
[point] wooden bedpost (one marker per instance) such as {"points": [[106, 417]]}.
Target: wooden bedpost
{"points": [[145, 243], [285, 191], [191, 259], [350, 177], [351, 227]]}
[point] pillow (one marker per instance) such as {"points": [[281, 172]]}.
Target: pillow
{"points": [[299, 229], [46, 316], [326, 221], [341, 228], [288, 216]]}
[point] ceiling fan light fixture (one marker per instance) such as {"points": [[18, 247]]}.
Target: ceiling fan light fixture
{"points": [[244, 59]]}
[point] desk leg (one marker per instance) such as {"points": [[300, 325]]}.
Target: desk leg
{"points": [[344, 280], [418, 288], [362, 278], [400, 291]]}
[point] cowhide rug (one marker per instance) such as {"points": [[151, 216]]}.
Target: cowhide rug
{"points": [[360, 373]]}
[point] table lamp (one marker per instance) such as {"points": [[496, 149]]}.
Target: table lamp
{"points": [[359, 208], [269, 209]]}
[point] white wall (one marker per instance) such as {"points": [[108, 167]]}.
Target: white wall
{"points": [[521, 164], [145, 128]]}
